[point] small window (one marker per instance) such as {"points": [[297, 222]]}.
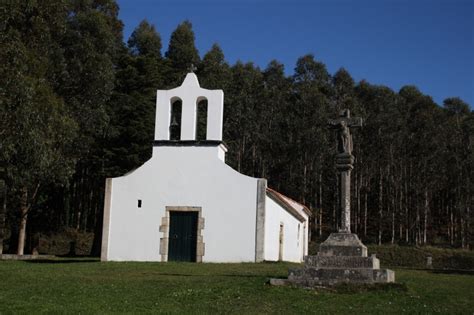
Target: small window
{"points": [[139, 203]]}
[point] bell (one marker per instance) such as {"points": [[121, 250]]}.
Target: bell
{"points": [[174, 123]]}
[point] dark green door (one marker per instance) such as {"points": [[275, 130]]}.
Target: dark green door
{"points": [[182, 237]]}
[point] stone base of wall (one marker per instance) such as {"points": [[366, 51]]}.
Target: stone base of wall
{"points": [[342, 258], [25, 257]]}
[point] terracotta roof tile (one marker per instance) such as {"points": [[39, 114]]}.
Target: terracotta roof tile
{"points": [[289, 202]]}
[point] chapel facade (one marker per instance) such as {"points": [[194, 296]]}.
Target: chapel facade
{"points": [[187, 204]]}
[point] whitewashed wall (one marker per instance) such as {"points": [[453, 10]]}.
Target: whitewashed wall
{"points": [[294, 243], [183, 176]]}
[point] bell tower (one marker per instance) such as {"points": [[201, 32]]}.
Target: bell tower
{"points": [[188, 95]]}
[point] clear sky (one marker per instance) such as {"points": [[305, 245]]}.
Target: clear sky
{"points": [[427, 43]]}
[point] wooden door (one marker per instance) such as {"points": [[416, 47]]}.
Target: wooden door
{"points": [[182, 236]]}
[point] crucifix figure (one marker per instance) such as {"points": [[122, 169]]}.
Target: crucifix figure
{"points": [[344, 162]]}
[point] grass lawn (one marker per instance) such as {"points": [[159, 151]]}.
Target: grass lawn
{"points": [[92, 287]]}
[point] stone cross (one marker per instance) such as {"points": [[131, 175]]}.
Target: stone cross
{"points": [[192, 68], [344, 162]]}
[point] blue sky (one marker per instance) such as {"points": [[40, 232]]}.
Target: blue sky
{"points": [[427, 43]]}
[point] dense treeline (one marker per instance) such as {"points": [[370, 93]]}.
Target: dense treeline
{"points": [[78, 104]]}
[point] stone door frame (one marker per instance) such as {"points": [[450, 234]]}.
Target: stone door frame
{"points": [[165, 228], [281, 241]]}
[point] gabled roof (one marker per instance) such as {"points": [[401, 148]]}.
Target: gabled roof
{"points": [[293, 207]]}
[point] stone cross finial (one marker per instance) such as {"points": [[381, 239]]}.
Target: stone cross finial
{"points": [[344, 162], [192, 68]]}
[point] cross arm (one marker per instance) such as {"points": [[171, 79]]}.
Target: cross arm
{"points": [[333, 123], [354, 122]]}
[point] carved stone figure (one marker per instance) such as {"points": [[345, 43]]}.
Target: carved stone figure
{"points": [[343, 125], [345, 138]]}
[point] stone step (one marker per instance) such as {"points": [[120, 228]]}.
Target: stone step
{"points": [[342, 244], [330, 276], [344, 262]]}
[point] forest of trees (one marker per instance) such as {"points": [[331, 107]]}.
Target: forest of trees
{"points": [[78, 104]]}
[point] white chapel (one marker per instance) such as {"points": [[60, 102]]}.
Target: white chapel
{"points": [[187, 204]]}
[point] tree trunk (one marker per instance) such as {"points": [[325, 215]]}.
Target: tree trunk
{"points": [[380, 208], [451, 228], [320, 204], [425, 221], [455, 227], [400, 205], [305, 184], [468, 227], [417, 225], [3, 212], [365, 213], [356, 193], [23, 219], [407, 219], [393, 223], [335, 209], [254, 160]]}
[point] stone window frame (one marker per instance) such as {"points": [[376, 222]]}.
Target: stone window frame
{"points": [[165, 227]]}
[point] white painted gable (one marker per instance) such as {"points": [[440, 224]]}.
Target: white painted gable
{"points": [[190, 93]]}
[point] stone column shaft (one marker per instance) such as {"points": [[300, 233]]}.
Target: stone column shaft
{"points": [[345, 178], [344, 165]]}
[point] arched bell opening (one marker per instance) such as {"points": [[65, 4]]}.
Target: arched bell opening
{"points": [[175, 119], [201, 119]]}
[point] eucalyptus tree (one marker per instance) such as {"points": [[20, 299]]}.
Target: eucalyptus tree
{"points": [[243, 98], [37, 130], [182, 53], [422, 156], [92, 43], [214, 71], [458, 156], [375, 153], [312, 106], [273, 138]]}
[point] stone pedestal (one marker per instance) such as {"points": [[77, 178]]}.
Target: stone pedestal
{"points": [[342, 258]]}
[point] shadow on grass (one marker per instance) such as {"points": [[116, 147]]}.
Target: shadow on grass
{"points": [[453, 272], [62, 261], [213, 275], [347, 288]]}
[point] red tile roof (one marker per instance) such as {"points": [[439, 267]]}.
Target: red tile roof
{"points": [[290, 204]]}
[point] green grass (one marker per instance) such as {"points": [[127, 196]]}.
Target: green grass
{"points": [[67, 286]]}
